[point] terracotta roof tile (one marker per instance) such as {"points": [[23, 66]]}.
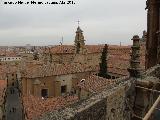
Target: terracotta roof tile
{"points": [[36, 106], [118, 62], [94, 83], [62, 49], [49, 70]]}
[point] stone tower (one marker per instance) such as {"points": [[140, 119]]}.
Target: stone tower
{"points": [[153, 34], [79, 41], [134, 69]]}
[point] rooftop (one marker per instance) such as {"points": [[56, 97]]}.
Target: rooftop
{"points": [[36, 106], [94, 83]]}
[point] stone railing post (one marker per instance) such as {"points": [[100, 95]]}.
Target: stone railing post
{"points": [[135, 69]]}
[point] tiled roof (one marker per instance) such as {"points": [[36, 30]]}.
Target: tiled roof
{"points": [[8, 53], [51, 70], [119, 56], [94, 83], [118, 59], [3, 85], [123, 72], [118, 62], [36, 106], [94, 48], [64, 49], [2, 72]]}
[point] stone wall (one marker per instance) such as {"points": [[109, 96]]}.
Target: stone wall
{"points": [[154, 71], [144, 96]]}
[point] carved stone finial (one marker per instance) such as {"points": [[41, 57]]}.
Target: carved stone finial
{"points": [[134, 69]]}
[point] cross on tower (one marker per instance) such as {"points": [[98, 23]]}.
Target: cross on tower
{"points": [[78, 22]]}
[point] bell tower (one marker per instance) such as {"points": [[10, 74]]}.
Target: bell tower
{"points": [[79, 41]]}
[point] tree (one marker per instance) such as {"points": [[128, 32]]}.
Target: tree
{"points": [[103, 65]]}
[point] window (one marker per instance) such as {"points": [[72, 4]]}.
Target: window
{"points": [[44, 92], [63, 89]]}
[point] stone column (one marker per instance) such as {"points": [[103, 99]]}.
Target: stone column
{"points": [[158, 35], [158, 48], [135, 69], [152, 28]]}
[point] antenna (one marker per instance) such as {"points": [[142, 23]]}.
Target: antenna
{"points": [[61, 42]]}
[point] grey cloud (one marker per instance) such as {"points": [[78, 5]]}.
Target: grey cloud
{"points": [[102, 21]]}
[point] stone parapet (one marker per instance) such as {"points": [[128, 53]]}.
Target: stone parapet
{"points": [[134, 69]]}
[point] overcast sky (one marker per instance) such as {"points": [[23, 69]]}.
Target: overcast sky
{"points": [[103, 21]]}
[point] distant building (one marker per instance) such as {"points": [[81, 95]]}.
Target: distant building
{"points": [[10, 58]]}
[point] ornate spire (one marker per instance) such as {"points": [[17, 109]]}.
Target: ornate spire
{"points": [[79, 30]]}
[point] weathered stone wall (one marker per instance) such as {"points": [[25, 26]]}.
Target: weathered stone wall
{"points": [[115, 105], [97, 111], [144, 96], [154, 71]]}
